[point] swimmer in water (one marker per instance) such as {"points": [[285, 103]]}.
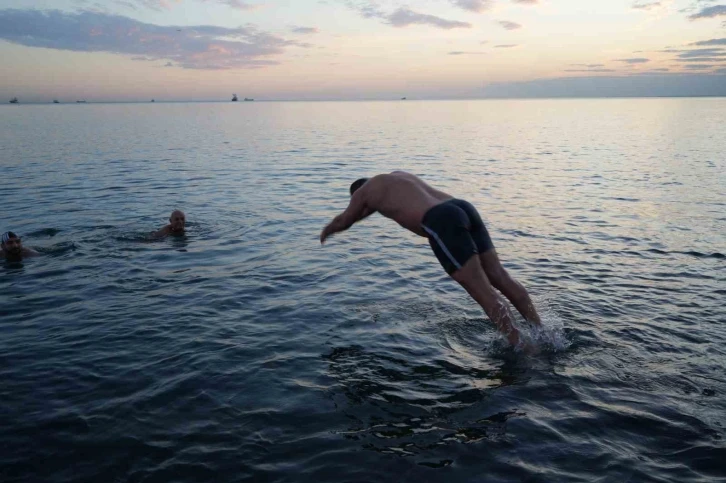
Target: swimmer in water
{"points": [[456, 234], [12, 248], [175, 226]]}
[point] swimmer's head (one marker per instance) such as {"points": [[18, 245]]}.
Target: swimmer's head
{"points": [[356, 185], [11, 243], [177, 221]]}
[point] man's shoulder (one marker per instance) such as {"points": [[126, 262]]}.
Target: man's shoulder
{"points": [[161, 232]]}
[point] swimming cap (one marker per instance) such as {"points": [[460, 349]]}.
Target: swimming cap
{"points": [[8, 235]]}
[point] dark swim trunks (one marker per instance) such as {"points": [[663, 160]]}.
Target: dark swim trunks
{"points": [[456, 233]]}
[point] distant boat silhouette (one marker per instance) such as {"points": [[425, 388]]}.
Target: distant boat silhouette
{"points": [[247, 99], [403, 98], [55, 101], [234, 97], [153, 100], [80, 102], [14, 100]]}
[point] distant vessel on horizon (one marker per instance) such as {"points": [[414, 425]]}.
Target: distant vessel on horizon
{"points": [[247, 99], [403, 98], [80, 102], [55, 101], [14, 100], [234, 97]]}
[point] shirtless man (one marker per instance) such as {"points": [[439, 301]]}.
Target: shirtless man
{"points": [[175, 226], [456, 234], [12, 249]]}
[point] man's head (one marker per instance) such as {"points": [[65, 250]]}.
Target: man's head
{"points": [[177, 221], [11, 243], [357, 184]]}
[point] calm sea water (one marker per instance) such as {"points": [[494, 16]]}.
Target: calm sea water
{"points": [[245, 351]]}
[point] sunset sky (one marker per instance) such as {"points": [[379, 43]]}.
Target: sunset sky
{"points": [[359, 49]]}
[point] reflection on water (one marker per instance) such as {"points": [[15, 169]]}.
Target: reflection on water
{"points": [[245, 349], [407, 407]]}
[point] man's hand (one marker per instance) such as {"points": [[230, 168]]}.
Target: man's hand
{"points": [[330, 229], [324, 234], [356, 211]]}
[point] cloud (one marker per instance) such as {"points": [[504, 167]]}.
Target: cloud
{"points": [[305, 30], [697, 59], [590, 70], [461, 52], [652, 72], [635, 60], [704, 43], [506, 46], [509, 25], [404, 17], [702, 59], [710, 12], [646, 6], [477, 6], [720, 71], [158, 5], [161, 5], [695, 53], [368, 9], [190, 47], [237, 4]]}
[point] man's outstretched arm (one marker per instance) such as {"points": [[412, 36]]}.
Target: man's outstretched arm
{"points": [[356, 211]]}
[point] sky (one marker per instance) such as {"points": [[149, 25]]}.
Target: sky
{"points": [[168, 50]]}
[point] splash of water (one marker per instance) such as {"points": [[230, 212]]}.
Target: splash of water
{"points": [[550, 336]]}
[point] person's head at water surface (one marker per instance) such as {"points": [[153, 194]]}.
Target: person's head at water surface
{"points": [[11, 247], [11, 244], [177, 220], [357, 184]]}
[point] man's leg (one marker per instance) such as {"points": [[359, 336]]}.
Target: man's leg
{"points": [[471, 276], [511, 289]]}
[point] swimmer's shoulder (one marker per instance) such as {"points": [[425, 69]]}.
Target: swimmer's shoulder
{"points": [[162, 232]]}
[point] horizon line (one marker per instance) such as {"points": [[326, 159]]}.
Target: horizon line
{"points": [[372, 99]]}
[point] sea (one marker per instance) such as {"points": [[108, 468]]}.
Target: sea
{"points": [[246, 351]]}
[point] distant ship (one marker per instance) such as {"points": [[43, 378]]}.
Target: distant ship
{"points": [[14, 100], [403, 98], [153, 100], [234, 97], [247, 99], [55, 101], [80, 102]]}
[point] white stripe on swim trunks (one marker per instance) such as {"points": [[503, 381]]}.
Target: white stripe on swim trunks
{"points": [[443, 247]]}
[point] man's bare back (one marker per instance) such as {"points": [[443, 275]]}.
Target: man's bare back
{"points": [[403, 197], [400, 196]]}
